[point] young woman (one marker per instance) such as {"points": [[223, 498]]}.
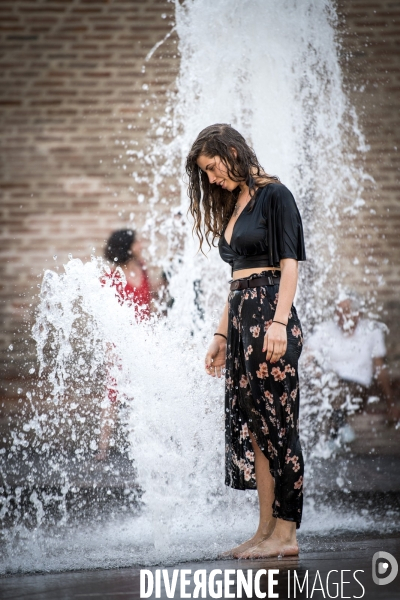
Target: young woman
{"points": [[259, 338], [122, 250]]}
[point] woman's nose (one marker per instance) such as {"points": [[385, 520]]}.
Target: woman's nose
{"points": [[211, 177]]}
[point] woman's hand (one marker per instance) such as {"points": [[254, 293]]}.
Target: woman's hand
{"points": [[216, 356], [275, 342]]}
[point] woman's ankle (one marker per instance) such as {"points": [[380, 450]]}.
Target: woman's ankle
{"points": [[265, 528], [285, 530]]}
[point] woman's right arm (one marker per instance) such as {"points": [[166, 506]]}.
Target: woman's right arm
{"points": [[216, 353]]}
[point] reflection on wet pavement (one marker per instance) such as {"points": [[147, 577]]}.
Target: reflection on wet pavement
{"points": [[348, 557]]}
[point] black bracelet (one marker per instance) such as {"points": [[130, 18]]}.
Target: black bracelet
{"points": [[280, 323], [222, 335]]}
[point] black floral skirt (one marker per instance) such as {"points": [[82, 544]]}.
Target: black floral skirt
{"points": [[263, 398]]}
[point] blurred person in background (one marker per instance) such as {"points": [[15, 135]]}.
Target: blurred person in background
{"points": [[123, 252], [354, 349]]}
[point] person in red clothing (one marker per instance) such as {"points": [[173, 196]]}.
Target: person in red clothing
{"points": [[123, 250]]}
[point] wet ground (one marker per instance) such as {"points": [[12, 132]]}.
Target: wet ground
{"points": [[364, 475], [346, 558]]}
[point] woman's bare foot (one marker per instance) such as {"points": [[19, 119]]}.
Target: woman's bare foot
{"points": [[282, 542], [270, 548], [260, 535]]}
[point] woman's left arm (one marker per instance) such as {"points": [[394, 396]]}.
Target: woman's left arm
{"points": [[275, 340]]}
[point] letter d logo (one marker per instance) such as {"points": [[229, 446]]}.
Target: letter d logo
{"points": [[382, 567]]}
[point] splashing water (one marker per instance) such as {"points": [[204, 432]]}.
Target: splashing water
{"points": [[271, 70]]}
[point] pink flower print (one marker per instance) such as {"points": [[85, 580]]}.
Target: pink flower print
{"points": [[255, 330], [293, 393], [299, 483], [293, 459], [272, 449], [282, 432], [243, 381], [247, 473], [229, 383], [239, 463], [277, 374], [267, 324], [264, 427], [269, 396], [291, 370], [263, 372], [283, 398], [250, 455], [235, 322], [244, 432], [296, 331], [248, 352], [276, 298], [253, 293]]}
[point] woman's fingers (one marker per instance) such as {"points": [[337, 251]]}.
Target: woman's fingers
{"points": [[209, 359], [270, 349], [215, 359], [215, 371], [274, 348], [209, 364], [278, 352]]}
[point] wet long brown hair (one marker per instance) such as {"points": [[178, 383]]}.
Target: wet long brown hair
{"points": [[210, 205]]}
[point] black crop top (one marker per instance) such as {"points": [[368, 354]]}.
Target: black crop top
{"points": [[270, 231]]}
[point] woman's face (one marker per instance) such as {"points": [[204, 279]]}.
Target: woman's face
{"points": [[136, 249], [216, 171]]}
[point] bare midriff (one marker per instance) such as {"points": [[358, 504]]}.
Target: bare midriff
{"points": [[246, 272]]}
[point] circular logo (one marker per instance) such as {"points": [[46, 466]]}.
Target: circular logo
{"points": [[384, 564]]}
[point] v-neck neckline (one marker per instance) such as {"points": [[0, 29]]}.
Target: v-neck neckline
{"points": [[233, 228]]}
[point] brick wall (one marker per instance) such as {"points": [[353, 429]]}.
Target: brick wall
{"points": [[81, 82], [77, 91], [369, 31]]}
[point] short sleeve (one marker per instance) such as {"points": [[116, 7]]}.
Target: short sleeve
{"points": [[284, 225], [378, 345]]}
